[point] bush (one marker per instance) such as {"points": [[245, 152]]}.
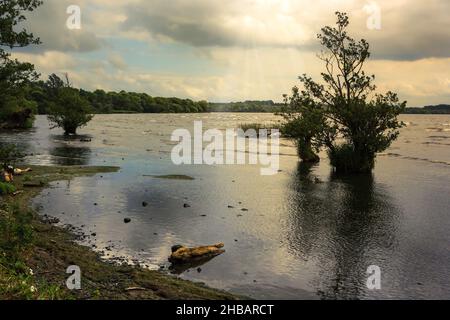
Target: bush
{"points": [[70, 111], [342, 113], [345, 159], [6, 188], [9, 153]]}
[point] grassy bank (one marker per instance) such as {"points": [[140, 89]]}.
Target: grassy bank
{"points": [[34, 254]]}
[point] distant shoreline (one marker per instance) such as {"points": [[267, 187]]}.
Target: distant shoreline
{"points": [[407, 111], [264, 107]]}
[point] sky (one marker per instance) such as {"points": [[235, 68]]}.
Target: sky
{"points": [[238, 50]]}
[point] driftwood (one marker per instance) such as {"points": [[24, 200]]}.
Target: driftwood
{"points": [[181, 254]]}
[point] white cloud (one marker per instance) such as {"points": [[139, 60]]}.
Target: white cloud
{"points": [[117, 61], [49, 61]]}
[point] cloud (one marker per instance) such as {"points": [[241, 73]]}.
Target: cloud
{"points": [[48, 22], [244, 23], [117, 61], [261, 75], [50, 61], [412, 29], [421, 82]]}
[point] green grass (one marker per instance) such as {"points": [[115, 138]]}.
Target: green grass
{"points": [[17, 279], [6, 188]]}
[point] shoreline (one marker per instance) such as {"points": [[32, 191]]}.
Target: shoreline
{"points": [[39, 270]]}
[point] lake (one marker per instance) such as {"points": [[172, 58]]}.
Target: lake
{"points": [[307, 234]]}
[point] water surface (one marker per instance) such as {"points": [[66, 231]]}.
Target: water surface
{"points": [[307, 233]]}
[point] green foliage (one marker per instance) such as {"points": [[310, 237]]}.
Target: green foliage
{"points": [[45, 94], [6, 188], [7, 152], [438, 109], [305, 124], [346, 159], [68, 109], [246, 106], [15, 230], [342, 113], [11, 15], [16, 111]]}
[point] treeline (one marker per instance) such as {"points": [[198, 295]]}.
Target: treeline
{"points": [[115, 102], [43, 94], [246, 106], [438, 109]]}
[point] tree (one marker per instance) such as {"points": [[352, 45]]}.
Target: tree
{"points": [[343, 113], [15, 109], [305, 124], [68, 109]]}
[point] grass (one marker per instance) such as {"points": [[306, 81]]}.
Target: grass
{"points": [[34, 255], [6, 188]]}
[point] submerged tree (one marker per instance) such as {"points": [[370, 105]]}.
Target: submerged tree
{"points": [[15, 109], [305, 125], [342, 114], [67, 109]]}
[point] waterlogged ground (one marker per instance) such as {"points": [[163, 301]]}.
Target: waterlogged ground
{"points": [[306, 234]]}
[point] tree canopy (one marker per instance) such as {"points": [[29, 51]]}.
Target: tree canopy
{"points": [[15, 77], [43, 93], [342, 112], [66, 107]]}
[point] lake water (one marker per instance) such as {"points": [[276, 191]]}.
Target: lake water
{"points": [[299, 239]]}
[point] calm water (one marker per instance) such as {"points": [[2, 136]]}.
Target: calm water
{"points": [[299, 239]]}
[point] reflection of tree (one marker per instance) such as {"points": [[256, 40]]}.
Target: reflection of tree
{"points": [[66, 154], [180, 268], [343, 226]]}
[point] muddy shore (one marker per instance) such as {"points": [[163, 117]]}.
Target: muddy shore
{"points": [[38, 271]]}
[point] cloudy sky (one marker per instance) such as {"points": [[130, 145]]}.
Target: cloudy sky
{"points": [[238, 49]]}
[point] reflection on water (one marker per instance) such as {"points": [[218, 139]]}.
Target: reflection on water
{"points": [[306, 233], [70, 150], [344, 224], [195, 264]]}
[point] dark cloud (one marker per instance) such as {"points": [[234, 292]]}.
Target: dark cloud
{"points": [[418, 29], [48, 23], [414, 31], [208, 24]]}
